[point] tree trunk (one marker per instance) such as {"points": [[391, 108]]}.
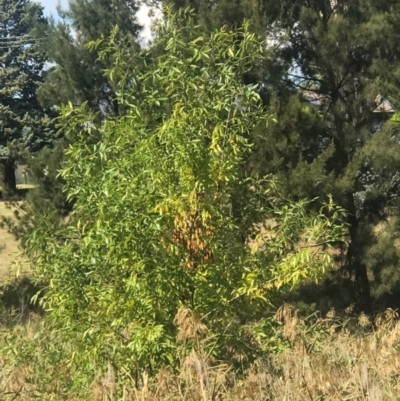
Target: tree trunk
{"points": [[9, 181], [362, 288], [357, 267]]}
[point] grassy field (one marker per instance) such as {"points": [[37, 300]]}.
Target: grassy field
{"points": [[9, 251], [333, 359]]}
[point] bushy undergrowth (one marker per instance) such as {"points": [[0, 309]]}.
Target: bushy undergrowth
{"points": [[329, 358]]}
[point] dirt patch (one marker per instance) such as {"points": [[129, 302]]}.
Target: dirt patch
{"points": [[9, 247]]}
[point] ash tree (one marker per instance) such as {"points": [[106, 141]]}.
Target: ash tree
{"points": [[24, 123], [154, 234]]}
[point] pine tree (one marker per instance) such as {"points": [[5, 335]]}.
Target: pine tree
{"points": [[23, 122], [344, 56], [78, 75]]}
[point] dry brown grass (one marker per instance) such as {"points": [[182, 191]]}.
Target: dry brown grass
{"points": [[323, 363]]}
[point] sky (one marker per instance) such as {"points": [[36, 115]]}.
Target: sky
{"points": [[50, 5], [50, 8]]}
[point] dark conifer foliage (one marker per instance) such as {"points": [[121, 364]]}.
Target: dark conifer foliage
{"points": [[24, 124], [78, 75], [345, 56]]}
